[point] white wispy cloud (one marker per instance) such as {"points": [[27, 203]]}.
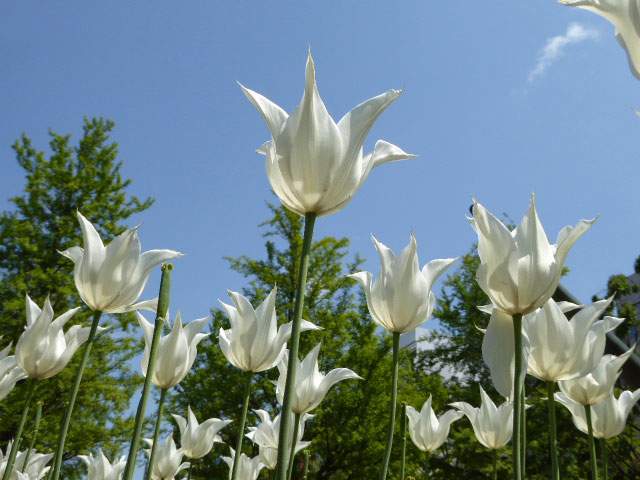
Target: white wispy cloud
{"points": [[556, 46]]}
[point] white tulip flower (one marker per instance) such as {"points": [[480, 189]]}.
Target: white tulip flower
{"points": [[101, 469], [492, 425], [176, 352], [10, 372], [596, 386], [254, 343], [110, 279], [520, 270], [43, 350], [197, 439], [36, 469], [315, 165], [311, 386], [426, 431], [624, 15], [608, 417], [401, 299], [266, 435], [248, 468], [168, 459]]}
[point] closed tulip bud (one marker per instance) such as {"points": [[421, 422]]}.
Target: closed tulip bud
{"points": [[110, 279], [248, 468], [10, 372], [311, 385], [176, 352], [197, 439], [401, 299], [168, 461], [315, 165], [426, 431], [101, 469], [520, 270], [608, 417], [492, 425], [254, 343], [43, 350]]}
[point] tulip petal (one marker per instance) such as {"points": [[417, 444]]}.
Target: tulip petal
{"points": [[273, 115]]}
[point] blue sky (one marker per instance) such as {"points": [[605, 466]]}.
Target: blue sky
{"points": [[501, 98]]}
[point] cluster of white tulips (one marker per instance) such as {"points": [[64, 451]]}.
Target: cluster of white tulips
{"points": [[315, 166]]}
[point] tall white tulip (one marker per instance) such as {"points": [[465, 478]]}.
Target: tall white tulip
{"points": [[197, 439], [254, 343], [313, 164], [248, 468], [176, 351], [624, 15], [428, 432], [43, 349], [35, 469], [110, 279], [101, 469], [266, 436], [10, 372], [401, 299], [492, 425], [169, 462], [608, 417], [311, 385], [596, 386]]}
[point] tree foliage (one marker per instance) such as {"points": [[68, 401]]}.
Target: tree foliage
{"points": [[82, 178]]}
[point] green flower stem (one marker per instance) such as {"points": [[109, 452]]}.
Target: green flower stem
{"points": [[427, 457], [16, 442], [156, 433], [305, 475], [392, 407], [35, 433], [605, 460], [403, 436], [293, 445], [592, 444], [285, 414], [517, 392], [495, 464], [243, 419], [190, 468], [163, 305], [523, 429], [64, 427], [555, 466]]}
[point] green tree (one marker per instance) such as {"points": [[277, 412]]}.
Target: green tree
{"points": [[349, 428], [85, 178]]}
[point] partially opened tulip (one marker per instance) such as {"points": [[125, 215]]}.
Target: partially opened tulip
{"points": [[248, 468], [428, 432], [624, 15], [254, 343], [169, 462], [197, 439], [176, 351], [101, 469], [10, 372], [315, 165], [33, 468]]}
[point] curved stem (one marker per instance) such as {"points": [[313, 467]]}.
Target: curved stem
{"points": [[35, 433], [427, 457], [163, 305], [392, 407], [517, 392], [285, 414], [243, 419], [523, 429], [64, 427], [156, 433], [555, 466], [23, 419], [592, 445], [605, 460], [293, 445], [495, 464], [403, 436]]}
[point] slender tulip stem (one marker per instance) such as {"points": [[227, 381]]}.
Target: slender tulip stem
{"points": [[305, 475], [392, 407], [190, 468], [294, 341], [495, 464], [555, 465], [403, 436], [592, 444], [605, 460], [156, 433], [36, 426], [517, 392], [523, 429], [293, 445], [64, 427], [163, 305], [16, 442], [243, 419], [427, 457]]}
